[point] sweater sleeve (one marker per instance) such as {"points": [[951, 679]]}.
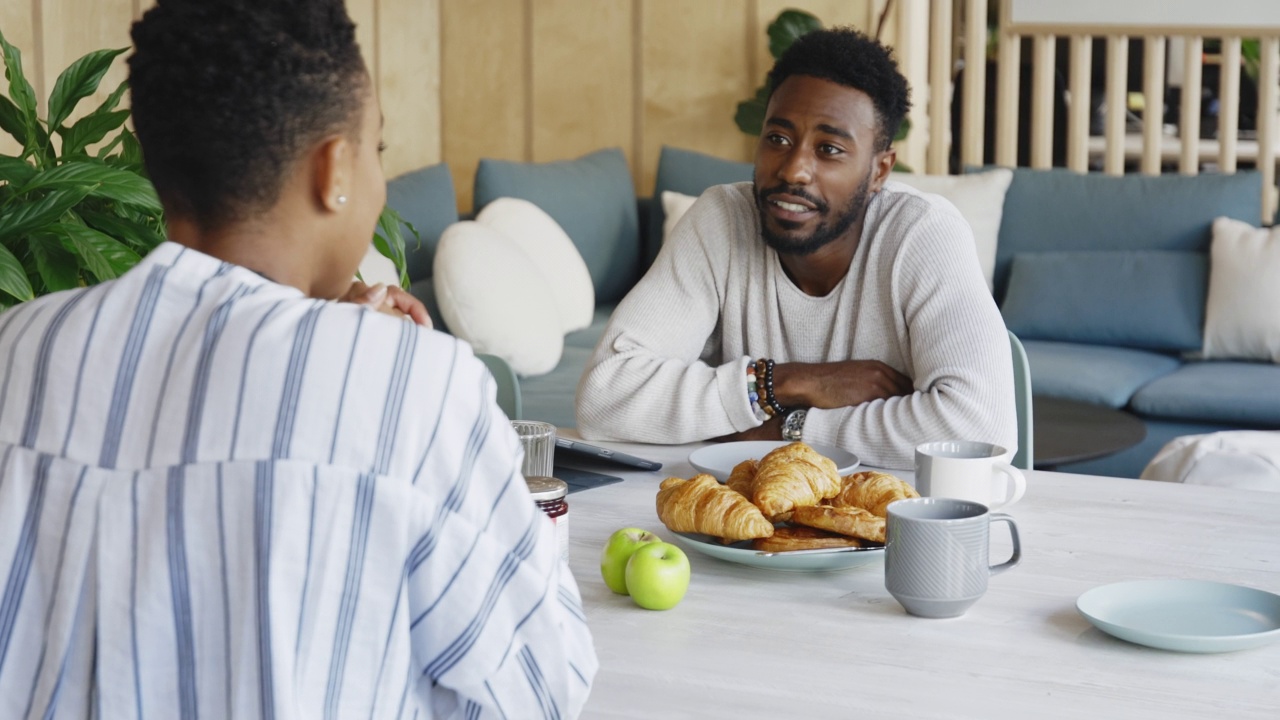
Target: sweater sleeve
{"points": [[647, 380], [953, 340]]}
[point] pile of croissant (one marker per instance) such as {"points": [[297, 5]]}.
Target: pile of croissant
{"points": [[791, 499]]}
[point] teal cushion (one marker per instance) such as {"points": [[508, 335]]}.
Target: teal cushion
{"points": [[424, 198], [1226, 392], [425, 290], [1150, 299], [1048, 210], [688, 173], [549, 397], [1092, 373], [592, 198], [590, 335]]}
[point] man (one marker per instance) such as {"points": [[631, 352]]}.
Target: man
{"points": [[822, 302], [223, 495]]}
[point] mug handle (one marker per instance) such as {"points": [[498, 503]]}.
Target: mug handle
{"points": [[1016, 479], [1016, 557]]}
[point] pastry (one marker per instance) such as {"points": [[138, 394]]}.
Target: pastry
{"points": [[793, 476], [873, 491], [851, 521], [743, 474], [703, 505], [802, 538]]}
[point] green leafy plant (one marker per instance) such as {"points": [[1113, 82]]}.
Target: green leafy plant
{"points": [[71, 216], [68, 216]]}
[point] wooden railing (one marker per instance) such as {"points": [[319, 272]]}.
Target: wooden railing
{"points": [[956, 33]]}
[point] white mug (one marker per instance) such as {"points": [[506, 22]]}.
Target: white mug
{"points": [[968, 470]]}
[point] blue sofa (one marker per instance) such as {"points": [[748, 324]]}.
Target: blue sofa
{"points": [[1104, 279]]}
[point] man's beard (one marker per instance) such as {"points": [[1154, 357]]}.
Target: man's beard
{"points": [[825, 233]]}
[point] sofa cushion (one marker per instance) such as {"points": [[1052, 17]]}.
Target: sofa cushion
{"points": [[425, 199], [674, 206], [1055, 210], [1093, 373], [1242, 320], [425, 290], [688, 173], [493, 296], [592, 198], [1215, 391], [590, 335], [980, 199], [549, 397], [1150, 299], [553, 254]]}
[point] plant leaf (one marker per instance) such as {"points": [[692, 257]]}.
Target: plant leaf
{"points": [[15, 171], [130, 150], [20, 91], [12, 121], [903, 130], [389, 241], [100, 254], [13, 277], [57, 268], [77, 82], [789, 25], [750, 116], [102, 181], [134, 234], [89, 130], [28, 218]]}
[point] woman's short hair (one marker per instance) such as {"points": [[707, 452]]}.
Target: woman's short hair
{"points": [[228, 94]]}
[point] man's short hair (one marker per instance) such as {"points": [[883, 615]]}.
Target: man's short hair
{"points": [[227, 95], [848, 57]]}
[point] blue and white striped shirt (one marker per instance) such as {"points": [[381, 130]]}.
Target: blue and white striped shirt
{"points": [[222, 499]]}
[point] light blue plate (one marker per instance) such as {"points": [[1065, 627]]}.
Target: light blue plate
{"points": [[800, 561], [718, 459], [1194, 616]]}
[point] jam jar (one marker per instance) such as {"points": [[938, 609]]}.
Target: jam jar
{"points": [[549, 494]]}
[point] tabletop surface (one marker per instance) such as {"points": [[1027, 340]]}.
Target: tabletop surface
{"points": [[753, 643], [1068, 431]]}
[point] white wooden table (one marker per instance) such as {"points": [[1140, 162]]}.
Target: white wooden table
{"points": [[750, 643]]}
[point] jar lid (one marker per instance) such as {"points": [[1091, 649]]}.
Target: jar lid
{"points": [[547, 488]]}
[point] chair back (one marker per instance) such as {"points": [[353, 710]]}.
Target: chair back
{"points": [[1025, 457], [508, 384]]}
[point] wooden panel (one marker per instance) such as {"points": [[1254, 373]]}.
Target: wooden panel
{"points": [[862, 14], [1229, 105], [1008, 70], [75, 27], [408, 45], [1189, 123], [1042, 101], [973, 115], [583, 78], [695, 68], [19, 29], [913, 60], [364, 14], [141, 6], [1117, 88], [1268, 107], [483, 87], [939, 88], [1078, 112], [1153, 104]]}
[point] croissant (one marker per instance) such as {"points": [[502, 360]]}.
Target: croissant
{"points": [[873, 491], [802, 538], [743, 474], [793, 476], [851, 521], [703, 505]]}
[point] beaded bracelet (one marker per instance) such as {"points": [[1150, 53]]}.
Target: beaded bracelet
{"points": [[764, 367], [753, 395]]}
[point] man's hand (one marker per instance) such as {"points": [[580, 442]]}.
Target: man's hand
{"points": [[837, 384], [770, 430], [391, 300]]}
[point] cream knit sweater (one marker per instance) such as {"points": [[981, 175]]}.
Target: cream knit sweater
{"points": [[671, 366]]}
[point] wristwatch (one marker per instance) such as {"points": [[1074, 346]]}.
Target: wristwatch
{"points": [[793, 424]]}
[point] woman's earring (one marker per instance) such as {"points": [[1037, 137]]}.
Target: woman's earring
{"points": [[342, 199]]}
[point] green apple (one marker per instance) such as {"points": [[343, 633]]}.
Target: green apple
{"points": [[613, 560], [658, 576]]}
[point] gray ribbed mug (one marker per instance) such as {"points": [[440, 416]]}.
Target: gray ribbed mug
{"points": [[936, 554]]}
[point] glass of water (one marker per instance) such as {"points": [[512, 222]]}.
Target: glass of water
{"points": [[539, 441]]}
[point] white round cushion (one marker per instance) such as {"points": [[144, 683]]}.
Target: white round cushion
{"points": [[493, 296], [551, 252]]}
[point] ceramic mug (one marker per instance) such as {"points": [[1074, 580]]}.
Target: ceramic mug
{"points": [[936, 554], [968, 470]]}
